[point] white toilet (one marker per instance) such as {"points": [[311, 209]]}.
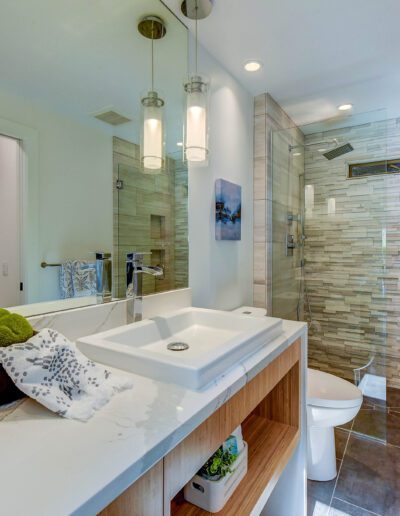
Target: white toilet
{"points": [[331, 401]]}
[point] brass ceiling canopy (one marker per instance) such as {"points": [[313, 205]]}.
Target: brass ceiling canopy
{"points": [[196, 9], [152, 27]]}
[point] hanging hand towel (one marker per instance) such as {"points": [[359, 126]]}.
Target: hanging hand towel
{"points": [[66, 286], [84, 280], [77, 279], [49, 369]]}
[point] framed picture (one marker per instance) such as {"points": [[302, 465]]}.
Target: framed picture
{"points": [[228, 210]]}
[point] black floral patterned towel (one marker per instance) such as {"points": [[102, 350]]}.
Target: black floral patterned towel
{"points": [[49, 369]]}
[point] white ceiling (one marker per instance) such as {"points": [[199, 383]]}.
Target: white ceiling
{"points": [[316, 54], [78, 57]]}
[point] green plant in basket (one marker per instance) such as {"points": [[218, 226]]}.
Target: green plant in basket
{"points": [[218, 465]]}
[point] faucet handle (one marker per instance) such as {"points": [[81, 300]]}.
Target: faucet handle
{"points": [[136, 257], [101, 255]]}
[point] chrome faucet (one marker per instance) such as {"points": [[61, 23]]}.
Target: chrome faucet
{"points": [[134, 284], [103, 277]]}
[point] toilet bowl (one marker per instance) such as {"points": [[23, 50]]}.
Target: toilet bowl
{"points": [[331, 401]]}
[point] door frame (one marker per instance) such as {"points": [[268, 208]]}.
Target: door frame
{"points": [[29, 206]]}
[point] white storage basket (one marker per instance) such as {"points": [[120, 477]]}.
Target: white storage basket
{"points": [[212, 495]]}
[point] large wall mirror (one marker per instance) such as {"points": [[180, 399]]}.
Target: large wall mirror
{"points": [[72, 77]]}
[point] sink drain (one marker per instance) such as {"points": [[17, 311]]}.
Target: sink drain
{"points": [[177, 346]]}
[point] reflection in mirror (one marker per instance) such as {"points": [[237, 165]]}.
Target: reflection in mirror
{"points": [[70, 92], [151, 217]]}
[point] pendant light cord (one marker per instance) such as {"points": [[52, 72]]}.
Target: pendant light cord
{"points": [[197, 7], [152, 57]]}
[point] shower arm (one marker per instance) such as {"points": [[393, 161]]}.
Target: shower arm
{"points": [[324, 142]]}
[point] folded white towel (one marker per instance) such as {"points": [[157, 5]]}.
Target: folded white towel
{"points": [[49, 369]]}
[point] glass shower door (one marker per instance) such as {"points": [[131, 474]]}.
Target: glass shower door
{"points": [[347, 259], [287, 216]]}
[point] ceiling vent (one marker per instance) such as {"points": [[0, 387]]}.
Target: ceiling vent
{"points": [[111, 117]]}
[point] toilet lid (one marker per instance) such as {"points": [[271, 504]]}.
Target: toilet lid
{"points": [[327, 390]]}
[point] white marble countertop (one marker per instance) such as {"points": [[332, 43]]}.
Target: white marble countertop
{"points": [[53, 466]]}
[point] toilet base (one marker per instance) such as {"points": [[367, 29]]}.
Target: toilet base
{"points": [[321, 453]]}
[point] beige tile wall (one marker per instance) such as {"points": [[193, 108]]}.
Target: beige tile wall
{"points": [[352, 268]]}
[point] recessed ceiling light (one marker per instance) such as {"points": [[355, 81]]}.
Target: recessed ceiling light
{"points": [[322, 150], [345, 107], [296, 153], [179, 144], [252, 66]]}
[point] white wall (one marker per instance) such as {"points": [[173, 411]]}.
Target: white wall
{"points": [[9, 222], [220, 272], [75, 188]]}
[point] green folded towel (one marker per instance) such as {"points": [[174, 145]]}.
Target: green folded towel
{"points": [[3, 312], [13, 328]]}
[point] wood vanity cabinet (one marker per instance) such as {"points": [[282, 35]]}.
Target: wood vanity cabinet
{"points": [[143, 498], [268, 407]]}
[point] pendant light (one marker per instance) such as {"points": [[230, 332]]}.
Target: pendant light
{"points": [[152, 107], [196, 89]]}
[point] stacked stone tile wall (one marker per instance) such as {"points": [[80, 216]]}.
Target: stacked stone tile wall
{"points": [[352, 255]]}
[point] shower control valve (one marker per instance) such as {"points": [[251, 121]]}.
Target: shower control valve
{"points": [[290, 244]]}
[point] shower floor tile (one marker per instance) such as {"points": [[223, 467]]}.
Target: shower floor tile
{"points": [[393, 427], [319, 495], [368, 481], [341, 438], [341, 508], [393, 398], [347, 426], [370, 476], [371, 422]]}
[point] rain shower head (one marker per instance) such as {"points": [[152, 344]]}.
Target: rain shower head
{"points": [[338, 151]]}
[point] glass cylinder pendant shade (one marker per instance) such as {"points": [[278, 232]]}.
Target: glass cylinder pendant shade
{"points": [[196, 126], [152, 134]]}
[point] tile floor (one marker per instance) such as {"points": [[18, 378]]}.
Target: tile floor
{"points": [[368, 461]]}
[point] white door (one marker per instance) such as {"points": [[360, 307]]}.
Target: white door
{"points": [[10, 267]]}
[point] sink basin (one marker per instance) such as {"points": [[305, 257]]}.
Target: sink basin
{"points": [[205, 343]]}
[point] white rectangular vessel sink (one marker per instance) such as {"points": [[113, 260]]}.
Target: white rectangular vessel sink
{"points": [[205, 343]]}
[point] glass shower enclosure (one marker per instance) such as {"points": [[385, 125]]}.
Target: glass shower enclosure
{"points": [[335, 253]]}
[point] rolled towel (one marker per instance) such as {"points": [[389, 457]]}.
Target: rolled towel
{"points": [[50, 369], [13, 328]]}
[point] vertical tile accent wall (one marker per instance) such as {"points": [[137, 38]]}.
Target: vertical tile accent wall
{"points": [[268, 117], [150, 215], [352, 255]]}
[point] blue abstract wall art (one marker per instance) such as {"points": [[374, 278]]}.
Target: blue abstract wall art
{"points": [[228, 210]]}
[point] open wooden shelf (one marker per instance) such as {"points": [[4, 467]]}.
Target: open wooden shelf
{"points": [[271, 445]]}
